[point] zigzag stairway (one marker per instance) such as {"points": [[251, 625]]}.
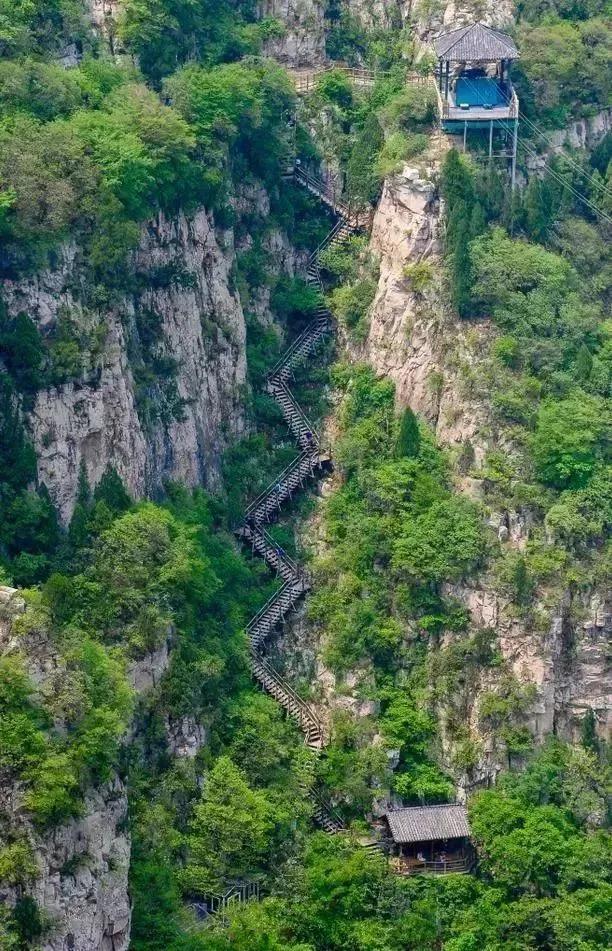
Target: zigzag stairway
{"points": [[310, 462]]}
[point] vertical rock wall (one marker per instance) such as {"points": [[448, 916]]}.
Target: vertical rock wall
{"points": [[303, 42], [106, 417]]}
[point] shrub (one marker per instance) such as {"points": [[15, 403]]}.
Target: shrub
{"points": [[420, 274], [352, 303]]}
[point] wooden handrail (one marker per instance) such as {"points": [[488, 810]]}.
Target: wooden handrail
{"points": [[306, 80]]}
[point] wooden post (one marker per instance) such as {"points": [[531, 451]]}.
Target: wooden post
{"points": [[464, 133], [447, 78], [491, 138]]}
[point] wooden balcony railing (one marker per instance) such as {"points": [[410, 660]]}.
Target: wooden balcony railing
{"points": [[457, 865]]}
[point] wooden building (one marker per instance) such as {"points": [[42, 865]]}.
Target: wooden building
{"points": [[474, 88], [430, 839]]}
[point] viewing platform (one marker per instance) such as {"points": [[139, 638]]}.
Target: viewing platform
{"points": [[479, 100], [474, 90]]}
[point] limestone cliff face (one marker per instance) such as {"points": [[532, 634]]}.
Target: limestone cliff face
{"points": [[81, 881], [580, 134], [303, 41], [159, 393], [415, 340], [84, 876]]}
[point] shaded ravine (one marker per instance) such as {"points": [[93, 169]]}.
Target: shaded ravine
{"points": [[310, 462]]}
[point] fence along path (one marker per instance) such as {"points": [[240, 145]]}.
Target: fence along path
{"points": [[306, 79], [311, 461]]}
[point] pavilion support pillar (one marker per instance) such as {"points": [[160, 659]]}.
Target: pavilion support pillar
{"points": [[464, 134], [447, 79], [440, 75], [490, 138], [514, 147]]}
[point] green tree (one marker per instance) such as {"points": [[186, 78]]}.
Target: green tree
{"points": [[569, 440], [231, 830], [362, 177], [409, 436]]}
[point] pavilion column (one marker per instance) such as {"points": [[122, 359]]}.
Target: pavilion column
{"points": [[447, 77], [490, 138]]}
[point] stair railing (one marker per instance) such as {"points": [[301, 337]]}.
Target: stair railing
{"points": [[296, 408], [307, 714], [285, 588], [273, 488], [283, 360], [262, 624], [296, 568]]}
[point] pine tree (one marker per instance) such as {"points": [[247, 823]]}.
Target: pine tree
{"points": [[457, 181], [78, 530], [409, 436], [588, 732], [584, 363], [478, 221], [111, 490], [461, 269]]}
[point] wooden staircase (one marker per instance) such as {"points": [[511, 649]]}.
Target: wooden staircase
{"points": [[309, 463]]}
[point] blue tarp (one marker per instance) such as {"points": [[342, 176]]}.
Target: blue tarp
{"points": [[479, 92]]}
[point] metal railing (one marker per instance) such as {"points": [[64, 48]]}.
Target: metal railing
{"points": [[413, 867], [297, 569], [285, 597], [219, 903], [296, 408], [274, 486], [283, 360], [285, 588], [307, 714]]}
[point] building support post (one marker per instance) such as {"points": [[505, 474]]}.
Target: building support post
{"points": [[447, 78], [440, 75], [491, 138], [514, 146], [464, 133]]}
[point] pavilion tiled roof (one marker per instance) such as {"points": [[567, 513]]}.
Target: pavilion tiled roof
{"points": [[428, 823], [476, 42]]}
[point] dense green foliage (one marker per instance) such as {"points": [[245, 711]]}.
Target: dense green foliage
{"points": [[395, 532], [564, 66], [543, 884], [369, 132], [88, 154], [91, 149], [166, 33], [547, 370]]}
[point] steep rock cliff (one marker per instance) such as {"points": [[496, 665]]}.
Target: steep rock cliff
{"points": [[303, 41], [305, 23], [159, 392], [415, 340]]}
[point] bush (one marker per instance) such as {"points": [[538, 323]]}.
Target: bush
{"points": [[352, 303], [397, 149]]}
